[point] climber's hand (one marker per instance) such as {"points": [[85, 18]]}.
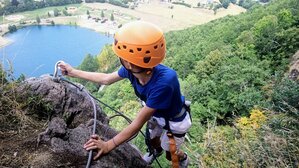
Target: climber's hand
{"points": [[95, 142], [66, 69]]}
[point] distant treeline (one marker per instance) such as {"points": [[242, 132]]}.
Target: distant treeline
{"points": [[91, 1], [15, 6], [113, 2], [182, 3], [247, 4]]}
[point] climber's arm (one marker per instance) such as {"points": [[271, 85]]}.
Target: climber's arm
{"points": [[142, 117], [104, 147], [97, 77]]}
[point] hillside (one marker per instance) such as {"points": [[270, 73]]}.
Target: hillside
{"points": [[233, 70], [230, 60]]}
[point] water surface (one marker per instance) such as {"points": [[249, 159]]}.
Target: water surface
{"points": [[36, 49]]}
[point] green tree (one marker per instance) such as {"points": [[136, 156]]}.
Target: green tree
{"points": [[65, 12], [225, 3], [102, 14], [38, 19], [14, 2], [216, 7], [210, 64], [233, 1], [13, 6], [89, 64], [12, 28], [285, 95], [112, 17], [241, 2], [265, 33], [56, 12], [108, 61], [247, 4], [286, 18], [288, 41]]}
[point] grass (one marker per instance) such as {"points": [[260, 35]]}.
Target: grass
{"points": [[43, 13], [18, 110]]}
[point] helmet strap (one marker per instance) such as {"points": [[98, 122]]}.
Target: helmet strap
{"points": [[147, 71]]}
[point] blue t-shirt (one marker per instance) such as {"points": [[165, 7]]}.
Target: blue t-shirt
{"points": [[162, 92]]}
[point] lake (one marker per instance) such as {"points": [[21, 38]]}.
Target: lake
{"points": [[36, 49]]}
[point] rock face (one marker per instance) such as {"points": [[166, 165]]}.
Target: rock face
{"points": [[70, 126]]}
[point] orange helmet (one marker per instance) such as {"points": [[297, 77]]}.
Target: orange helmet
{"points": [[140, 43]]}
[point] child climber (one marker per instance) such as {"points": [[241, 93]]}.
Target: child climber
{"points": [[141, 48]]}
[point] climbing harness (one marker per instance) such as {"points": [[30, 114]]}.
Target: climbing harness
{"points": [[171, 135], [58, 78]]}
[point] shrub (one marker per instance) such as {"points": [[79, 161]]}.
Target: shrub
{"points": [[274, 143], [12, 28], [118, 3], [182, 3], [285, 96]]}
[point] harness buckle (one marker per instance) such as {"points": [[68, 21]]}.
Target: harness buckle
{"points": [[169, 134]]}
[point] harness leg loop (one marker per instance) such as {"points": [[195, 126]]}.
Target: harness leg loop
{"points": [[172, 150]]}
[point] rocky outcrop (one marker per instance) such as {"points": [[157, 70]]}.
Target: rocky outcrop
{"points": [[70, 126]]}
